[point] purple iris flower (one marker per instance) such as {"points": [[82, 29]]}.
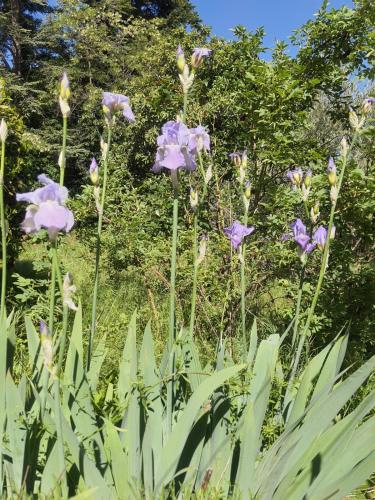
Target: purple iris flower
{"points": [[320, 237], [201, 52], [301, 237], [174, 151], [199, 139], [370, 100], [47, 208], [198, 55], [117, 102], [237, 232]]}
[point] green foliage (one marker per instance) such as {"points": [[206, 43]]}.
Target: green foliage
{"points": [[113, 453]]}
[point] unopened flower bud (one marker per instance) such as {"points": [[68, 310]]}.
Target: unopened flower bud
{"points": [[186, 79], [3, 131], [94, 172], [344, 146], [241, 174], [103, 147], [46, 343], [333, 233], [248, 190], [64, 106], [244, 158], [334, 194], [295, 176], [305, 192], [180, 59], [97, 199], [68, 290], [314, 213], [353, 120], [208, 175], [332, 172], [236, 158], [193, 198], [202, 250], [65, 87], [367, 104], [307, 179]]}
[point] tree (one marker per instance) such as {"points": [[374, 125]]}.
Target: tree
{"points": [[20, 23]]}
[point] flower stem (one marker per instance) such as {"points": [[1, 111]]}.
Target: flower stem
{"points": [[63, 151], [53, 287], [3, 233], [98, 248], [195, 248], [3, 333], [298, 307], [195, 276], [172, 304], [243, 286], [185, 106]]}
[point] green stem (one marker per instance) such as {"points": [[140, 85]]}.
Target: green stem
{"points": [[185, 106], [98, 249], [172, 308], [298, 307], [53, 288], [3, 234], [45, 377], [243, 286], [195, 248], [195, 276], [63, 150]]}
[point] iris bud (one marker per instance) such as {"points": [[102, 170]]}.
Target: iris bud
{"points": [[3, 131], [353, 120], [248, 190], [180, 59], [65, 87], [193, 198], [94, 172], [307, 179]]}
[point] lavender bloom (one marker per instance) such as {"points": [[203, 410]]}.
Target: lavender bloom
{"points": [[117, 102], [295, 176], [47, 209], [320, 237], [301, 237], [199, 140], [199, 54], [370, 100], [237, 232], [173, 148]]}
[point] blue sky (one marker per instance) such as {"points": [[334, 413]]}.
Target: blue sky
{"points": [[279, 17]]}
